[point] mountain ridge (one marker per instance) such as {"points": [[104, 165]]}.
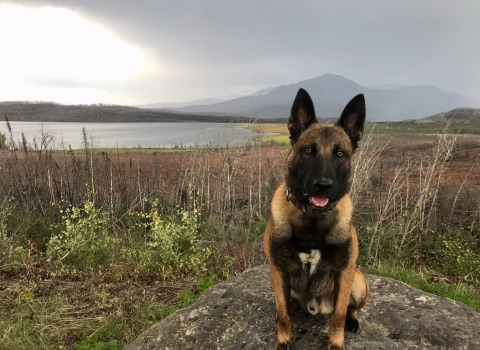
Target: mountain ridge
{"points": [[462, 115], [330, 93]]}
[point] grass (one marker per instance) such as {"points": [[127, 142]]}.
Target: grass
{"points": [[103, 272], [39, 323], [462, 292], [282, 138], [276, 139], [82, 314], [279, 128]]}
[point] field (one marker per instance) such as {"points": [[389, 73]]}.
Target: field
{"points": [[97, 245]]}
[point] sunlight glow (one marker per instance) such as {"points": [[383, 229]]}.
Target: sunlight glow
{"points": [[57, 49]]}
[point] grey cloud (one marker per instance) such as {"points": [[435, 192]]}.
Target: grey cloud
{"points": [[227, 45]]}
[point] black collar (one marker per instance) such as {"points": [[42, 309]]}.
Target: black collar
{"points": [[308, 208]]}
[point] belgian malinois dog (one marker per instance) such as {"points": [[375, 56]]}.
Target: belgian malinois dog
{"points": [[310, 241]]}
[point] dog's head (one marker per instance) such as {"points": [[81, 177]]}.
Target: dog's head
{"points": [[319, 164]]}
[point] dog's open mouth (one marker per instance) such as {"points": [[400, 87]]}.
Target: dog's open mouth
{"points": [[319, 202]]}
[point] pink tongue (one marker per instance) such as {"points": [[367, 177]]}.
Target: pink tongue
{"points": [[319, 201]]}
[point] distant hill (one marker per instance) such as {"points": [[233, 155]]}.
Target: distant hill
{"points": [[161, 105], [262, 91], [54, 112], [202, 102], [330, 94], [456, 116], [386, 86]]}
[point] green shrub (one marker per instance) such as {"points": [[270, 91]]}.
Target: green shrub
{"points": [[172, 242], [206, 282], [85, 239], [460, 258], [151, 242], [258, 228]]}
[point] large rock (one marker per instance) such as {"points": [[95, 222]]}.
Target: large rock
{"points": [[240, 314]]}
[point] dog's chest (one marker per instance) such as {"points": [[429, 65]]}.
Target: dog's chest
{"points": [[310, 260], [313, 256]]}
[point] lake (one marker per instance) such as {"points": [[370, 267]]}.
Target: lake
{"points": [[128, 135]]}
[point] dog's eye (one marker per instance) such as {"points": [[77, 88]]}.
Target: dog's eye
{"points": [[340, 154], [308, 150]]}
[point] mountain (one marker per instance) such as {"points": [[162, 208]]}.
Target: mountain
{"points": [[227, 97], [160, 105], [330, 94], [456, 116], [262, 91], [385, 86]]}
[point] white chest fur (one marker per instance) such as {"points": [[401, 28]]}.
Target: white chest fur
{"points": [[312, 259]]}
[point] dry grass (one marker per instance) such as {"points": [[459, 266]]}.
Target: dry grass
{"points": [[278, 128], [58, 313]]}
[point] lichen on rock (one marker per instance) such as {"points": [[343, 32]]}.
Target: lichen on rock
{"points": [[240, 314]]}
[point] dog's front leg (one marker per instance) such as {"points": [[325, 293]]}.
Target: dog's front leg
{"points": [[343, 286], [281, 290]]}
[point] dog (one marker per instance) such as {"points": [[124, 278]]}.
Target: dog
{"points": [[310, 242]]}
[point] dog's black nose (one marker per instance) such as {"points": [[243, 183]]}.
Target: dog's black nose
{"points": [[323, 184]]}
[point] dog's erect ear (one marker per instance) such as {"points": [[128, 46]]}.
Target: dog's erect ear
{"points": [[301, 116], [353, 119]]}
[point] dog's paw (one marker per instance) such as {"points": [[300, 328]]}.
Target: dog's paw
{"points": [[334, 347], [352, 324], [284, 346]]}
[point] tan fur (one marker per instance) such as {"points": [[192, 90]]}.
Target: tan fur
{"points": [[344, 212], [337, 321], [284, 323], [353, 285]]}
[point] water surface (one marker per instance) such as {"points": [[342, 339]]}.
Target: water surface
{"points": [[128, 135]]}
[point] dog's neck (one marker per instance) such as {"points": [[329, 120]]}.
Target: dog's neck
{"points": [[308, 208]]}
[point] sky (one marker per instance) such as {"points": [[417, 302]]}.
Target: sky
{"points": [[146, 51]]}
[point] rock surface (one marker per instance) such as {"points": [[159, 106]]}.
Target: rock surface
{"points": [[240, 314]]}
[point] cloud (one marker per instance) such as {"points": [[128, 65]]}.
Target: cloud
{"points": [[198, 49]]}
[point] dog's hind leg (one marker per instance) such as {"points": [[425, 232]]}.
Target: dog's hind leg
{"points": [[358, 298], [360, 291], [351, 321]]}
